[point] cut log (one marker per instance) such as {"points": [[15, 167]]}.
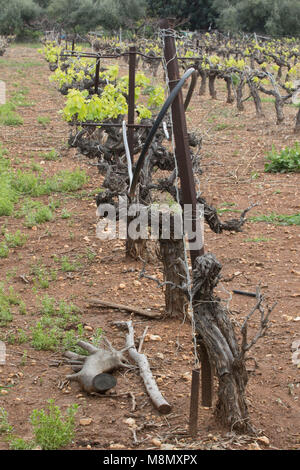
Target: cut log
{"points": [[91, 371]]}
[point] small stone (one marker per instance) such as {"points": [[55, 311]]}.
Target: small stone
{"points": [[154, 337], [137, 283], [264, 440], [4, 392], [116, 446], [130, 422], [85, 421], [253, 446], [187, 376], [156, 442], [287, 317], [88, 328], [122, 286]]}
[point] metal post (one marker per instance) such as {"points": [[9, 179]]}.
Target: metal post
{"points": [[182, 149], [206, 376], [193, 422], [187, 182], [131, 99], [97, 74]]}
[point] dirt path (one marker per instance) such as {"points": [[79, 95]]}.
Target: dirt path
{"points": [[233, 161]]}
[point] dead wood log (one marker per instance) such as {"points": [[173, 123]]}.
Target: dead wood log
{"points": [[128, 308], [88, 368], [141, 360]]}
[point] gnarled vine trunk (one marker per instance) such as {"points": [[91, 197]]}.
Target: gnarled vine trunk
{"points": [[297, 126], [215, 330], [172, 256]]}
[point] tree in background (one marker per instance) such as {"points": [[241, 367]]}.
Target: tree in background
{"points": [[17, 15], [72, 15], [85, 15], [274, 17], [199, 14], [243, 15], [284, 18]]}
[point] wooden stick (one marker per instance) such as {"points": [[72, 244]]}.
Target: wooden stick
{"points": [[128, 308], [140, 359]]}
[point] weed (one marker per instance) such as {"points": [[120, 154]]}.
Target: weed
{"points": [[287, 160], [90, 254], [17, 338], [17, 443], [35, 213], [4, 250], [23, 360], [5, 427], [55, 330], [16, 239], [18, 98], [36, 167], [258, 239], [8, 115], [5, 303], [68, 181], [52, 155], [48, 306], [65, 214], [42, 277], [43, 120], [278, 219], [221, 127], [68, 265], [52, 430]]}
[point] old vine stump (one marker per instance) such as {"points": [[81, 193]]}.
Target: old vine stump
{"points": [[216, 332]]}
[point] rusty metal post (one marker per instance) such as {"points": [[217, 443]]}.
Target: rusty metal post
{"points": [[187, 182], [206, 376], [131, 99], [193, 422], [182, 149], [97, 74]]}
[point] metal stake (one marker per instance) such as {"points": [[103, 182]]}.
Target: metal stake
{"points": [[97, 75], [131, 99], [193, 422], [187, 182]]}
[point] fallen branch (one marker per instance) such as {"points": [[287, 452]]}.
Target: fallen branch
{"points": [[140, 359], [128, 308]]}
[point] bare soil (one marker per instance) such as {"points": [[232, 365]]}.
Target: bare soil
{"points": [[233, 157]]}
